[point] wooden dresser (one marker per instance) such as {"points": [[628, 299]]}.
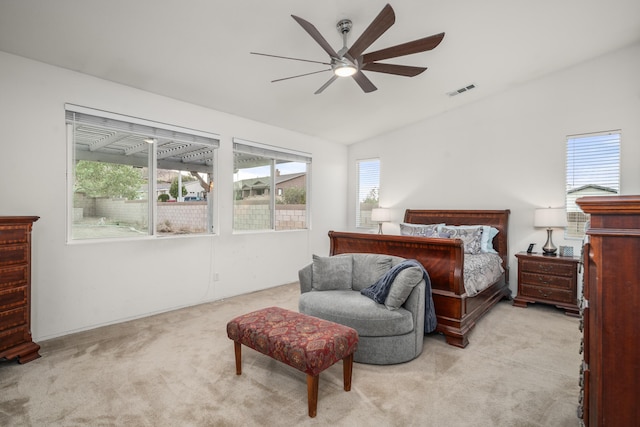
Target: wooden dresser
{"points": [[549, 280], [15, 289], [610, 372]]}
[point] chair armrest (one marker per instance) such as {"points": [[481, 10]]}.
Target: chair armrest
{"points": [[305, 275], [415, 305]]}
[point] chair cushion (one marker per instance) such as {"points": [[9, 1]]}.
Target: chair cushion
{"points": [[402, 287], [350, 308], [331, 273], [368, 268]]}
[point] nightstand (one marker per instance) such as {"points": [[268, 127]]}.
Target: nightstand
{"points": [[548, 280]]}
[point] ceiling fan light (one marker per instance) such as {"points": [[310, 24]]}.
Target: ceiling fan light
{"points": [[344, 70]]}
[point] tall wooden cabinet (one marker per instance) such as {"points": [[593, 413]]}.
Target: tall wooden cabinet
{"points": [[15, 289], [610, 376]]}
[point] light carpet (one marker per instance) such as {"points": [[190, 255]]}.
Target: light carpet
{"points": [[177, 369]]}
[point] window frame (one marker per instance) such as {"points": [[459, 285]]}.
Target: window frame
{"points": [[273, 154], [137, 127]]}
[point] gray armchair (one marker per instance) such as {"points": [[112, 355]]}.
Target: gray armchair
{"points": [[388, 333]]}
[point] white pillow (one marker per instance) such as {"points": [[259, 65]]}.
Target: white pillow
{"points": [[493, 232]]}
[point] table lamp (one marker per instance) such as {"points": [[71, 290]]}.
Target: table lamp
{"points": [[550, 218], [380, 215]]}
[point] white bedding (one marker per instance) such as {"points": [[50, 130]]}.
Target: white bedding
{"points": [[480, 271]]}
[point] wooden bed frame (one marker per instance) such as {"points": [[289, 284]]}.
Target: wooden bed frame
{"points": [[443, 259]]}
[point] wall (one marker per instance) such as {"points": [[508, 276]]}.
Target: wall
{"points": [[83, 285], [186, 216], [255, 214], [508, 151]]}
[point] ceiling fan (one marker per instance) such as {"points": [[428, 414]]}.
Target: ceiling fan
{"points": [[352, 62]]}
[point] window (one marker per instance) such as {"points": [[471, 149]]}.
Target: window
{"points": [[126, 174], [270, 187], [368, 191], [593, 169]]}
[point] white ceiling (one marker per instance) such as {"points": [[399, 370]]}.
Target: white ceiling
{"points": [[198, 51]]}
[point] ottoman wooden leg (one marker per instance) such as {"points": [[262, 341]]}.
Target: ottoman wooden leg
{"points": [[312, 394], [238, 350], [347, 368]]}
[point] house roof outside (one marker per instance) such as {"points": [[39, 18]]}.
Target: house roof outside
{"points": [[592, 187], [264, 180], [586, 190]]}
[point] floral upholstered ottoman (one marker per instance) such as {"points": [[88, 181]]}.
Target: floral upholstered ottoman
{"points": [[306, 343]]}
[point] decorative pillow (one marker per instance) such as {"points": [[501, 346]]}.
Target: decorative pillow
{"points": [[331, 273], [471, 237], [493, 232], [368, 268], [421, 230], [488, 233], [402, 287]]}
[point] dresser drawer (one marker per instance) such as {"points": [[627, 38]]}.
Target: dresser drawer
{"points": [[548, 268], [12, 318], [13, 276], [14, 254], [550, 294], [560, 282], [11, 298], [13, 337], [17, 234]]}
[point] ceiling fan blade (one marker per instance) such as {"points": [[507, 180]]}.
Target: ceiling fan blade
{"points": [[400, 70], [378, 26], [315, 34], [364, 83], [324, 86], [408, 48], [300, 75], [287, 57]]}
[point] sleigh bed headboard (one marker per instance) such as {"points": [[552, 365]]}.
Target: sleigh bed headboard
{"points": [[494, 218]]}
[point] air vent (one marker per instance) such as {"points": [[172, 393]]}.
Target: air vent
{"points": [[462, 90]]}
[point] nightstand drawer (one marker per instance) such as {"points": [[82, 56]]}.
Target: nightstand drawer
{"points": [[12, 318], [531, 266], [550, 294], [559, 282], [11, 298]]}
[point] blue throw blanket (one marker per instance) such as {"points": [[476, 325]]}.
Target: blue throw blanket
{"points": [[380, 290]]}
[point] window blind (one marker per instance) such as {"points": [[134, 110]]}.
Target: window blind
{"points": [[262, 150], [81, 115], [368, 187], [593, 169]]}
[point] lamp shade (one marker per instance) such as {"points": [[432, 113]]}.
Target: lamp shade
{"points": [[380, 215], [550, 218]]}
